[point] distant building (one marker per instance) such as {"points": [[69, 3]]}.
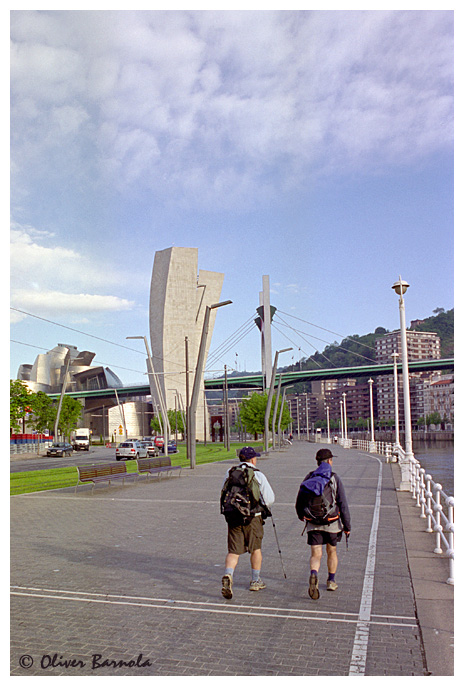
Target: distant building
{"points": [[47, 374], [422, 345]]}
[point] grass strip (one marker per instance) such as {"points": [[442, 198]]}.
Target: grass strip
{"points": [[66, 477]]}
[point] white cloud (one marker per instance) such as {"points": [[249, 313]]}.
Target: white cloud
{"points": [[215, 105], [44, 278], [75, 303]]}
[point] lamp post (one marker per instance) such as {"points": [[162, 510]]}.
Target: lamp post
{"points": [[344, 415], [269, 398], [161, 398], [328, 425], [400, 287], [192, 414], [397, 418], [371, 400], [341, 421], [274, 414]]}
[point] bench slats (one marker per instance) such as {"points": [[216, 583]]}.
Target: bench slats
{"points": [[156, 465], [105, 472]]}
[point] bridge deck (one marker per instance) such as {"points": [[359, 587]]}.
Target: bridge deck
{"points": [[137, 571]]}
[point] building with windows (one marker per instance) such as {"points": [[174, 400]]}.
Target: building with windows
{"points": [[422, 345]]}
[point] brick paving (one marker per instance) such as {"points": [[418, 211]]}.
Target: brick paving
{"points": [[127, 581]]}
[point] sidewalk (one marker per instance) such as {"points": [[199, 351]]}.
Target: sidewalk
{"points": [[127, 581]]}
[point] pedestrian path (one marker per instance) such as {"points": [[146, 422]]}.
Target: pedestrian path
{"points": [[127, 581]]}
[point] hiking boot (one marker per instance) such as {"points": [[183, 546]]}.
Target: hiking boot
{"points": [[313, 589], [257, 585], [227, 586], [331, 585]]}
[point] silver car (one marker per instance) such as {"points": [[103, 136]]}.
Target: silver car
{"points": [[130, 450]]}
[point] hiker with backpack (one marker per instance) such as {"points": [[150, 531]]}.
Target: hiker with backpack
{"points": [[246, 497], [322, 504]]}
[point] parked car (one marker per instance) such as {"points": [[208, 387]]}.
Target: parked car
{"points": [[172, 447], [159, 441], [130, 450], [59, 450], [152, 449]]}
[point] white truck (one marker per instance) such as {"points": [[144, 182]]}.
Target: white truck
{"points": [[81, 439]]}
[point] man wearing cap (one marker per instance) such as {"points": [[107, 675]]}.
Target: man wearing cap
{"points": [[329, 534], [246, 536]]}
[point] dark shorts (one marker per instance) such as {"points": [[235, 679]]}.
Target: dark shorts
{"points": [[245, 538], [320, 537]]}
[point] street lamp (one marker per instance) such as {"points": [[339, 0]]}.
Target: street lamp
{"points": [[269, 398], [192, 414], [328, 425], [400, 287], [341, 422], [274, 414], [344, 414], [161, 398], [371, 399], [397, 419]]}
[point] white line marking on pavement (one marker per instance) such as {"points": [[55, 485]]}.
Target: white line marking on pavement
{"points": [[361, 639], [195, 606]]}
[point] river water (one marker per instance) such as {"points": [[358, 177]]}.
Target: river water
{"points": [[438, 461]]}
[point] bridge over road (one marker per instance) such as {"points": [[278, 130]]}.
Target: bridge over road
{"points": [[288, 378], [127, 581]]}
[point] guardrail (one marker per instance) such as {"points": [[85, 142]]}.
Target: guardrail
{"points": [[429, 496]]}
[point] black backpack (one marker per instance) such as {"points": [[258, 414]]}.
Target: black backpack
{"points": [[318, 509], [240, 495]]}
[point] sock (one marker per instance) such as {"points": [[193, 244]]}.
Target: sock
{"points": [[331, 577], [314, 571], [255, 574], [229, 570]]}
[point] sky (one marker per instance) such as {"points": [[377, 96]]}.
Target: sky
{"points": [[313, 147]]}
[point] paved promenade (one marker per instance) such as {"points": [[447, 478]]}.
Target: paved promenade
{"points": [[127, 581]]}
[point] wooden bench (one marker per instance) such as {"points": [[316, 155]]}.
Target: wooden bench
{"points": [[109, 472], [156, 465]]}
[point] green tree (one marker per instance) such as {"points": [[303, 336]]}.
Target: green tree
{"points": [[71, 412], [44, 413], [433, 418], [157, 423], [20, 403], [253, 411]]}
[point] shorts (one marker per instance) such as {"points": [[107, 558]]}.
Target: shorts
{"points": [[244, 538], [318, 537]]}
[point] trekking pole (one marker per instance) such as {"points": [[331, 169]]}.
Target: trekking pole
{"points": [[347, 535], [278, 546]]}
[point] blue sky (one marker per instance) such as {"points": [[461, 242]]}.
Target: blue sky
{"points": [[315, 147]]}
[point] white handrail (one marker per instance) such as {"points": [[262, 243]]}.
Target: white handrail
{"points": [[428, 496]]}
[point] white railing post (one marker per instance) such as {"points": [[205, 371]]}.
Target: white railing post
{"points": [[438, 527]]}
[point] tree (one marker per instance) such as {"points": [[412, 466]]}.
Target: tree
{"points": [[44, 413], [71, 411], [253, 411], [157, 423], [20, 402]]}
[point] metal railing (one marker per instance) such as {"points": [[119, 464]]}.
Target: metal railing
{"points": [[438, 508], [435, 505]]}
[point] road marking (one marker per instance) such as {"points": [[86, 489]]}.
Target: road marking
{"points": [[361, 639], [196, 606]]}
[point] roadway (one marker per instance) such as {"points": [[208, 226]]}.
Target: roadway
{"points": [[29, 462]]}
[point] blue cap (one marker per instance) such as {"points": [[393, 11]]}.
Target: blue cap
{"points": [[247, 453]]}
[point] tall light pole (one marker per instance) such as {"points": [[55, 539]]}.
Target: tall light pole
{"points": [[269, 398], [274, 414], [341, 421], [371, 401], [344, 414], [397, 418], [192, 414], [328, 425], [161, 398], [400, 287]]}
